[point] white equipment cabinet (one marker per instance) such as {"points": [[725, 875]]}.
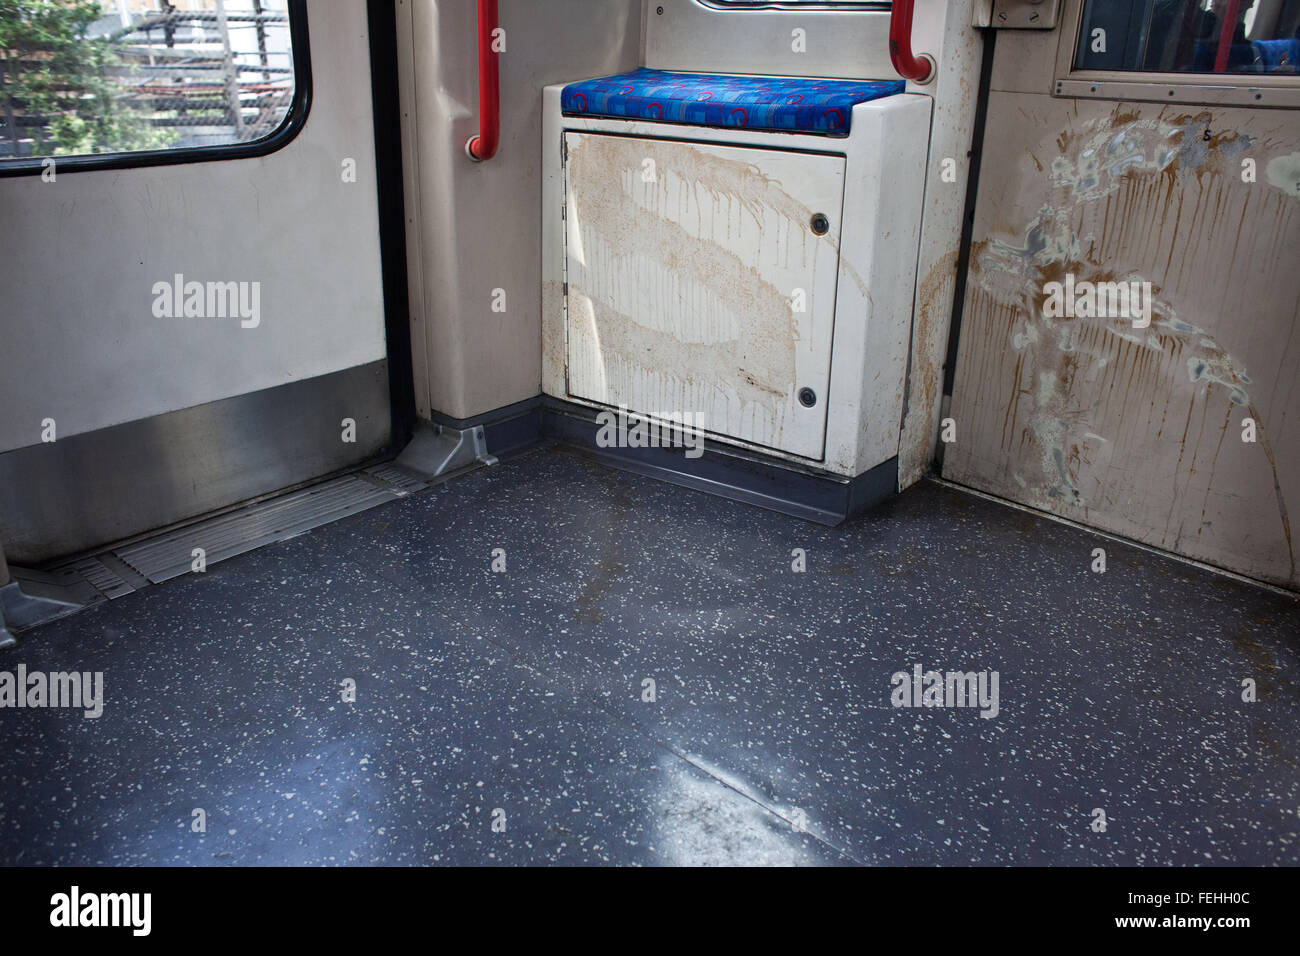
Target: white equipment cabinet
{"points": [[760, 282]]}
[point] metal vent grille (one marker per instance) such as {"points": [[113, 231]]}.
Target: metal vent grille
{"points": [[404, 483], [108, 582]]}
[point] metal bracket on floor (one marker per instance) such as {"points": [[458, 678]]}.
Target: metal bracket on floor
{"points": [[34, 597], [438, 450]]}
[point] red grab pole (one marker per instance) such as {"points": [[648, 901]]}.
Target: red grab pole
{"points": [[1225, 36], [906, 63], [484, 145]]}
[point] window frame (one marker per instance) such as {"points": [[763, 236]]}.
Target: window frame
{"points": [[1196, 89], [283, 134], [741, 6]]}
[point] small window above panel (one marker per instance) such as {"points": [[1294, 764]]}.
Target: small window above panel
{"points": [[1216, 52], [797, 4]]}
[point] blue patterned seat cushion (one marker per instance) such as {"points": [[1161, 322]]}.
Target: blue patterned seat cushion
{"points": [[1278, 56], [790, 104]]}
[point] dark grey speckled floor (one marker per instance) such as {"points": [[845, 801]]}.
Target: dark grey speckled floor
{"points": [[772, 739]]}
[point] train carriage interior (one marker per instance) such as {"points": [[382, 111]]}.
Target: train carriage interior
{"points": [[649, 432]]}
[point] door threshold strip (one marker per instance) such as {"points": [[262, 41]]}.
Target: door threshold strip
{"points": [[123, 570]]}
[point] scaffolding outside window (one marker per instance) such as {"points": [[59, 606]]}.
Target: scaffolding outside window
{"points": [[103, 78]]}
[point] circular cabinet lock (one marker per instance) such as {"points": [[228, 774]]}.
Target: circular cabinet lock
{"points": [[807, 397], [820, 224]]}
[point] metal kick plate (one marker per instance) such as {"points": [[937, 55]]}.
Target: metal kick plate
{"points": [[171, 554], [1025, 14]]}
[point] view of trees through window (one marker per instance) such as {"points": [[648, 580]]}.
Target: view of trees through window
{"points": [[112, 76]]}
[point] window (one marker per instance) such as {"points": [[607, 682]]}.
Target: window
{"points": [[1191, 36], [770, 4], [1198, 51], [127, 82]]}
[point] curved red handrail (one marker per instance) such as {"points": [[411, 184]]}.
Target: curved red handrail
{"points": [[484, 145], [908, 65]]}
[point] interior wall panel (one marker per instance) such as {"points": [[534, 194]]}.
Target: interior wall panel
{"points": [[946, 27], [688, 35], [1139, 431], [474, 230]]}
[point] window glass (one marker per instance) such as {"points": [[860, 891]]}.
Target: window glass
{"points": [[1190, 36], [862, 4], [85, 77]]}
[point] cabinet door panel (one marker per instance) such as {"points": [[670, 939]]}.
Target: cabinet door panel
{"points": [[697, 283]]}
